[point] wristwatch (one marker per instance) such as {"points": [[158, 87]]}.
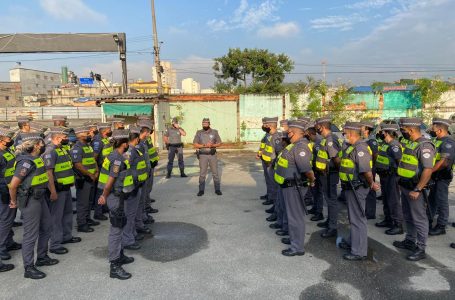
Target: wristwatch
{"points": [[417, 190]]}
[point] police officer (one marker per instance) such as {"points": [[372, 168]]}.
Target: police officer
{"points": [[86, 170], [356, 180], [442, 174], [133, 211], [61, 177], [269, 153], [206, 141], [153, 157], [117, 182], [23, 123], [367, 128], [280, 208], [318, 196], [386, 163], [292, 172], [59, 121], [146, 129], [173, 140], [415, 170], [327, 163], [265, 169], [7, 214], [28, 192], [102, 147]]}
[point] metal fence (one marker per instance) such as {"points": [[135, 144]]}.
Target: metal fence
{"points": [[46, 112]]}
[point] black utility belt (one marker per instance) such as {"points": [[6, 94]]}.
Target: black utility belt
{"points": [[178, 145], [442, 175], [121, 195], [208, 153], [62, 188], [293, 183], [408, 183], [346, 186]]}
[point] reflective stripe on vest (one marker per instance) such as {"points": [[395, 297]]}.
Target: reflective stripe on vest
{"points": [[88, 159], [63, 169], [124, 181], [153, 154], [40, 174], [347, 166], [437, 144], [10, 166], [268, 151], [409, 164], [322, 157], [383, 160], [141, 168], [282, 165], [106, 150]]}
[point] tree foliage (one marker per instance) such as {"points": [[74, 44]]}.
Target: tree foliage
{"points": [[251, 71], [430, 92]]}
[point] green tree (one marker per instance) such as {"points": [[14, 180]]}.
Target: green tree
{"points": [[252, 71], [430, 91], [337, 105]]}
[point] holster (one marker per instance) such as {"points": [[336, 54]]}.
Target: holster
{"points": [[62, 188], [117, 217], [291, 183], [23, 197], [198, 153], [409, 184]]}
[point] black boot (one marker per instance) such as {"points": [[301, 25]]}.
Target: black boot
{"points": [[168, 175], [395, 229], [317, 217], [6, 267], [33, 273], [182, 173], [118, 272], [384, 223], [438, 230], [124, 260]]}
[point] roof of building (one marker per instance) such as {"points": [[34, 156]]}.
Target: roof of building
{"points": [[34, 70]]}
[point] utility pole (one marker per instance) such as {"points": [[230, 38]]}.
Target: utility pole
{"points": [[156, 47], [324, 64]]}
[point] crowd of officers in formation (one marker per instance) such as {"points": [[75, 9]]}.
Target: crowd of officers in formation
{"points": [[304, 162], [112, 170]]}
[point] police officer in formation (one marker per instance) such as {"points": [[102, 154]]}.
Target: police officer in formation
{"points": [[117, 183], [367, 128], [389, 156], [86, 170], [280, 208], [293, 173], [7, 214], [268, 183], [173, 140], [28, 192], [357, 180], [60, 179], [102, 147], [442, 175], [415, 171], [327, 165], [273, 146], [206, 141]]}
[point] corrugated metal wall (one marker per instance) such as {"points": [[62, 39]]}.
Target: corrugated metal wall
{"points": [[46, 112]]}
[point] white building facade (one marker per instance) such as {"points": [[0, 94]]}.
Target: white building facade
{"points": [[168, 76], [191, 86], [34, 82]]}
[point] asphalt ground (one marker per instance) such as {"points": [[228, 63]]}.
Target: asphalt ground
{"points": [[220, 247]]}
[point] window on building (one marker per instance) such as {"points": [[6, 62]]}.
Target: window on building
{"points": [[6, 98], [81, 92], [37, 85], [38, 76], [52, 78], [45, 77], [59, 93]]}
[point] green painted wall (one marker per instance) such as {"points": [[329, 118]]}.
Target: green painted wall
{"points": [[253, 108], [222, 114]]}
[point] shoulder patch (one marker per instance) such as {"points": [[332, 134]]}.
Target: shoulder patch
{"points": [[116, 169], [74, 150], [330, 144], [277, 141], [395, 149], [117, 162], [302, 154], [361, 154], [26, 165], [426, 150], [374, 142], [23, 172], [448, 146], [47, 156], [427, 155]]}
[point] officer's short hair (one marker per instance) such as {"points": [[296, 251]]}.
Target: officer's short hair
{"points": [[326, 125], [392, 133], [441, 126]]}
